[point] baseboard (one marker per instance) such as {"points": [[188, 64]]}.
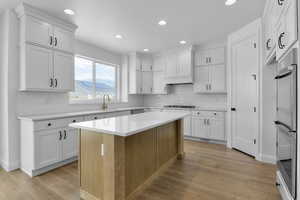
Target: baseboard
{"points": [[204, 140], [267, 158], [8, 167]]}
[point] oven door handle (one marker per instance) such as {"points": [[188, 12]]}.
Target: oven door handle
{"points": [[284, 75], [290, 130]]}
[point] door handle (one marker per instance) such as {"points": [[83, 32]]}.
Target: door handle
{"points": [[51, 40], [51, 82], [60, 135], [268, 44], [280, 2], [56, 82], [233, 109], [55, 44], [280, 45]]}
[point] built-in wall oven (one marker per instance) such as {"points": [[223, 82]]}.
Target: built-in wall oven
{"points": [[286, 121]]}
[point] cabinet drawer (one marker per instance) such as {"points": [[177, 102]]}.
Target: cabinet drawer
{"points": [[56, 123]]}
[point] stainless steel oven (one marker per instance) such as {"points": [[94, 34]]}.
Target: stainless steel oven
{"points": [[287, 120]]}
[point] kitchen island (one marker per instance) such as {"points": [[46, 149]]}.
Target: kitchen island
{"points": [[119, 156]]}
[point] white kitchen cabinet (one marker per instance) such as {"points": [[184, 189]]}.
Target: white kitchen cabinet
{"points": [[69, 143], [48, 148], [37, 31], [147, 63], [43, 41], [63, 71], [216, 129], [159, 63], [187, 126], [63, 39], [287, 28], [179, 66], [210, 79], [208, 125], [159, 85], [199, 127], [37, 72], [210, 56], [147, 82]]}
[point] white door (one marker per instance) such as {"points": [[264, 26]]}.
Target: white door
{"points": [[48, 148], [217, 128], [199, 127], [69, 143], [147, 82], [245, 64], [39, 32], [63, 40], [217, 78], [39, 68], [63, 71], [201, 79]]}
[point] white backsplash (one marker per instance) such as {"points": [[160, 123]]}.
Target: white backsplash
{"points": [[184, 95]]}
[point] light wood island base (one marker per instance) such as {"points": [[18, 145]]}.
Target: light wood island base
{"points": [[116, 168]]}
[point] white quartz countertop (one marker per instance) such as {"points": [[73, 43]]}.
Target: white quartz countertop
{"points": [[131, 124], [74, 114]]}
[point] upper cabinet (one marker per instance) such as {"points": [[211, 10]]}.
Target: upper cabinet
{"points": [[46, 51], [210, 71], [279, 28], [179, 66]]}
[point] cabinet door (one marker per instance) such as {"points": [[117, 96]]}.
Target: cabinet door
{"points": [[63, 40], [139, 82], [171, 65], [201, 58], [159, 86], [63, 71], [48, 148], [287, 29], [38, 32], [217, 78], [187, 126], [38, 70], [217, 129], [217, 56], [158, 63], [147, 82], [201, 79], [184, 63], [69, 143], [147, 63], [199, 127]]}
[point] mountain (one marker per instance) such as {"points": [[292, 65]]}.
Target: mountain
{"points": [[86, 87]]}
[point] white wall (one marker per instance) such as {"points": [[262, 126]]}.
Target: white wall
{"points": [[31, 103], [183, 94]]}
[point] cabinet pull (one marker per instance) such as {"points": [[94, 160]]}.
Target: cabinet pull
{"points": [[280, 2], [209, 59], [102, 150], [49, 124], [51, 40], [268, 44], [56, 82], [209, 86], [60, 135], [65, 134], [280, 45], [51, 82], [208, 122], [205, 123], [55, 44]]}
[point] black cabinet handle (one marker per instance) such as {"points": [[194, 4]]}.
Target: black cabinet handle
{"points": [[51, 40], [49, 124], [56, 82], [60, 135], [280, 45], [51, 82], [280, 2], [95, 117], [233, 109], [65, 134], [74, 121], [55, 44], [268, 44]]}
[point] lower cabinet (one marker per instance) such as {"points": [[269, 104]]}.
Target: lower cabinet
{"points": [[69, 143], [208, 125]]}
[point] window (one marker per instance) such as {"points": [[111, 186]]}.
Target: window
{"points": [[93, 79]]}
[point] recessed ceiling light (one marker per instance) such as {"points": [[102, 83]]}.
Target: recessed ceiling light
{"points": [[69, 12], [230, 2], [119, 36], [162, 23], [182, 42], [146, 50]]}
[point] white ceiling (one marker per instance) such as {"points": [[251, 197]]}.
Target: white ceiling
{"points": [[196, 21]]}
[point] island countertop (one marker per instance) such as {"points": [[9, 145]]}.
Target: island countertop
{"points": [[130, 124]]}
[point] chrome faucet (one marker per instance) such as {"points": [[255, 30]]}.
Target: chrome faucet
{"points": [[104, 102]]}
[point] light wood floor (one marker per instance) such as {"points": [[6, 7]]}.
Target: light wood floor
{"points": [[209, 172]]}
